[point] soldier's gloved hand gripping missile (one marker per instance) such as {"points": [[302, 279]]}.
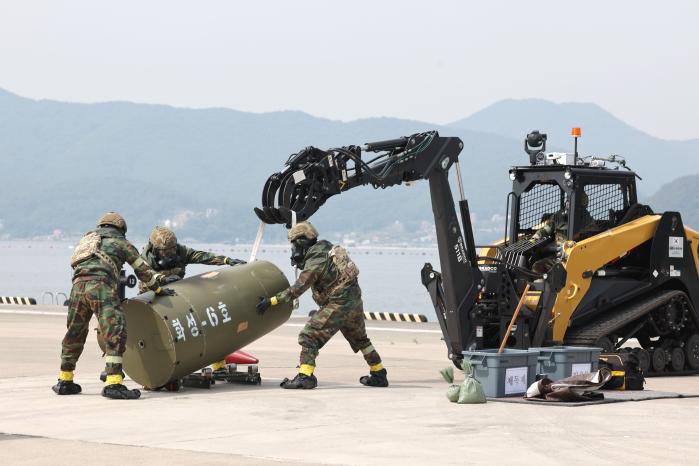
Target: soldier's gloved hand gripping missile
{"points": [[266, 303], [165, 292], [230, 261]]}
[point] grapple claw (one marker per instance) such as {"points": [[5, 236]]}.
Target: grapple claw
{"points": [[263, 216]]}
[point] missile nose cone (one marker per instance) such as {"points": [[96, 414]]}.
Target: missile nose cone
{"points": [[241, 357]]}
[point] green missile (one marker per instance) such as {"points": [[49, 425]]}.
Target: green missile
{"points": [[211, 316]]}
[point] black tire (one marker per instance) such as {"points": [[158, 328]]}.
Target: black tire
{"points": [[691, 349], [677, 359], [643, 357], [658, 359], [606, 344]]}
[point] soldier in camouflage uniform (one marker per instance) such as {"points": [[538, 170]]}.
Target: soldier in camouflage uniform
{"points": [[557, 226], [166, 256], [96, 262], [340, 303]]}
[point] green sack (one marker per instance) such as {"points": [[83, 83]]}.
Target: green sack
{"points": [[453, 392], [448, 374], [471, 390]]}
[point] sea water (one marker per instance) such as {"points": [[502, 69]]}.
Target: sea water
{"points": [[389, 276]]}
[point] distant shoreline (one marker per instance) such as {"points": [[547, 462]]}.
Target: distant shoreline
{"points": [[391, 247]]}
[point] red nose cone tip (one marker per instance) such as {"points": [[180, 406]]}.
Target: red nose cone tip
{"points": [[241, 357]]}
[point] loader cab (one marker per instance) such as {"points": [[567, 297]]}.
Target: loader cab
{"points": [[583, 200]]}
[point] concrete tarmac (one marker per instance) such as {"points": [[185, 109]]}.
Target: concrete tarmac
{"points": [[341, 422]]}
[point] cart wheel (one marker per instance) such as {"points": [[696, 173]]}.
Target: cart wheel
{"points": [[173, 386], [253, 369]]}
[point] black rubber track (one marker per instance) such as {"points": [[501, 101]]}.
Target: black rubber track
{"points": [[613, 321], [589, 334]]}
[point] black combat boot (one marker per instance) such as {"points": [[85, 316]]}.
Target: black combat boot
{"points": [[375, 379], [303, 381], [65, 387], [118, 391]]}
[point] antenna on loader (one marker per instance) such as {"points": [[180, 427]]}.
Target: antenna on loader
{"points": [[576, 133]]}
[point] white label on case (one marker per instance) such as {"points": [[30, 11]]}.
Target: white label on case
{"points": [[582, 368], [515, 380]]}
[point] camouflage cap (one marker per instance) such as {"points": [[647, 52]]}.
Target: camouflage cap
{"points": [[113, 219], [302, 229], [163, 238]]}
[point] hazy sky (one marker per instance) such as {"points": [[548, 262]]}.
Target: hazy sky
{"points": [[435, 61]]}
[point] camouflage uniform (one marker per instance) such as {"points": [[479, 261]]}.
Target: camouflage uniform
{"points": [[94, 291], [184, 257], [341, 311], [162, 244], [557, 226]]}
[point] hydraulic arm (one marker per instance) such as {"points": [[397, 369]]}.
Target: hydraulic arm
{"points": [[581, 261], [313, 175]]}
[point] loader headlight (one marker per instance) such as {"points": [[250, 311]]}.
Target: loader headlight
{"points": [[568, 175]]}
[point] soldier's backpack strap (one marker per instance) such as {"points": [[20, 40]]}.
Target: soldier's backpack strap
{"points": [[108, 260]]}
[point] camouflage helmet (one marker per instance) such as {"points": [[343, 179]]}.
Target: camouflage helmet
{"points": [[302, 229], [113, 219], [162, 238]]}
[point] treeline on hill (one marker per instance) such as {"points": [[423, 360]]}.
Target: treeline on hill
{"points": [[202, 171]]}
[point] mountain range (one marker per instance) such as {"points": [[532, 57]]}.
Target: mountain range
{"points": [[202, 170]]}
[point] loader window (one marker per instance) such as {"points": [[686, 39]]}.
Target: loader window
{"points": [[538, 203], [605, 204], [601, 198]]}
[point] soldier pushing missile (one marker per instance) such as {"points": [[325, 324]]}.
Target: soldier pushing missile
{"points": [[96, 262], [332, 276], [165, 255]]}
